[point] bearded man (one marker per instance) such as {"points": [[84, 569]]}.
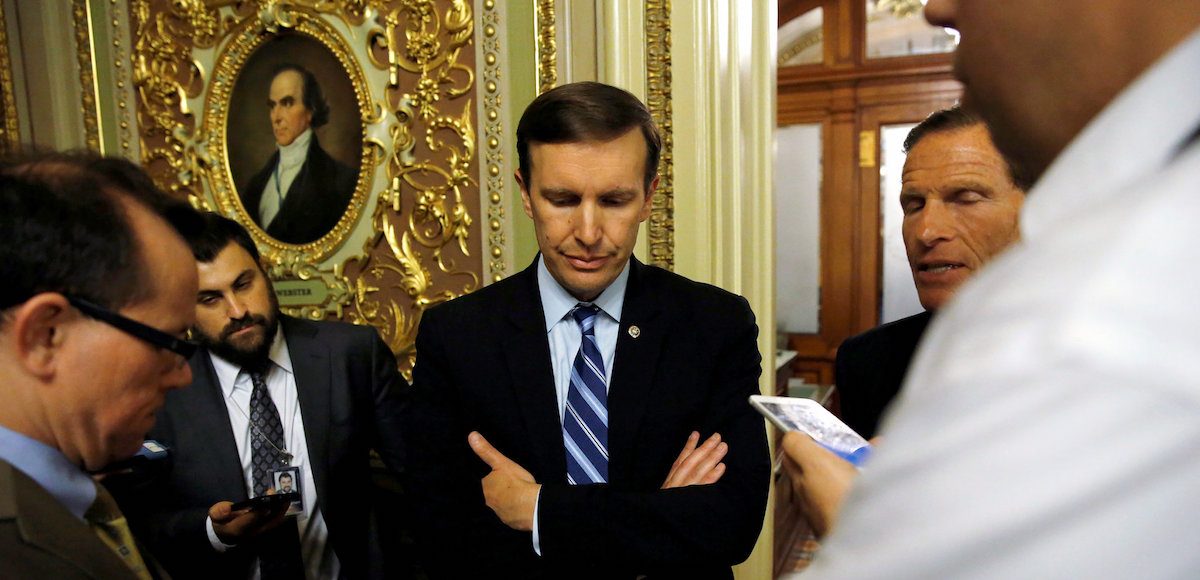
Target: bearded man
{"points": [[270, 394]]}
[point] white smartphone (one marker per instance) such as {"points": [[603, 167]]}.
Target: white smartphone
{"points": [[808, 416]]}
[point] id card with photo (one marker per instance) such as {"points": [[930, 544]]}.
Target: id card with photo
{"points": [[288, 480]]}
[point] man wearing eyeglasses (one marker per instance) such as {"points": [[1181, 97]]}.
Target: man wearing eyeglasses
{"points": [[272, 397], [97, 290]]}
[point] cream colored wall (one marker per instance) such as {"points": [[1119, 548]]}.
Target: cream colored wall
{"points": [[723, 97], [723, 101]]}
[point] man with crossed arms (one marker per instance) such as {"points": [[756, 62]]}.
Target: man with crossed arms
{"points": [[561, 396]]}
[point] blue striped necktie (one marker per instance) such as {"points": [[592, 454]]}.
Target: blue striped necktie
{"points": [[585, 420]]}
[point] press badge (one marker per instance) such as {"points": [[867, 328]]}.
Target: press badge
{"points": [[287, 480]]}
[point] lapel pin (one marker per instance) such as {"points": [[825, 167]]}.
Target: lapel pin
{"points": [[634, 331]]}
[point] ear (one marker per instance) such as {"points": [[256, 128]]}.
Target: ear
{"points": [[648, 202], [38, 332], [525, 199]]}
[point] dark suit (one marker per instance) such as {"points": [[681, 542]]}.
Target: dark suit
{"points": [[315, 200], [350, 397], [39, 538], [483, 363], [871, 367]]}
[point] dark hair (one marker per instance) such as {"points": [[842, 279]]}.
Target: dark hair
{"points": [[585, 111], [217, 233], [957, 118], [314, 98], [66, 228]]}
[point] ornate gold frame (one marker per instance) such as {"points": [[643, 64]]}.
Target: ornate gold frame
{"points": [[245, 39], [408, 244]]}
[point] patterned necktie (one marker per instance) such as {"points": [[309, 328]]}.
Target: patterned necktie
{"points": [[585, 420], [278, 549], [268, 450], [109, 523]]}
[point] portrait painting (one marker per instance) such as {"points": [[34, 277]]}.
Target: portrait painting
{"points": [[294, 138]]}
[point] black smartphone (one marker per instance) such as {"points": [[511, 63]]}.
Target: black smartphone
{"points": [[267, 502]]}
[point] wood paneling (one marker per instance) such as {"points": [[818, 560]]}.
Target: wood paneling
{"points": [[848, 94]]}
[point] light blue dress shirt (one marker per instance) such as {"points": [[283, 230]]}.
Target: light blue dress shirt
{"points": [[565, 336], [51, 469]]}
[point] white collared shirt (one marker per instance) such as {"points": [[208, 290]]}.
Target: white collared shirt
{"points": [[565, 336], [1049, 426], [291, 159], [236, 388]]}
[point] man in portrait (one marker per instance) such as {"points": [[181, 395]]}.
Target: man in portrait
{"points": [[301, 192], [550, 408]]}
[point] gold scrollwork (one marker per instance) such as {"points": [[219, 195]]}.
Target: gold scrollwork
{"points": [[658, 98], [87, 76], [494, 175], [425, 73], [10, 132], [419, 141], [547, 46]]}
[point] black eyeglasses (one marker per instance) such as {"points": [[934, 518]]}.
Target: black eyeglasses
{"points": [[134, 328]]}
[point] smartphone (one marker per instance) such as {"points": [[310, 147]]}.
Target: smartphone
{"points": [[267, 502], [808, 416], [150, 458]]}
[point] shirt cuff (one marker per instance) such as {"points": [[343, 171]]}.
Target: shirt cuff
{"points": [[537, 540], [216, 542]]}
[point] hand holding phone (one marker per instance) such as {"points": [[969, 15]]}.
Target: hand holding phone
{"points": [[808, 416], [267, 502]]}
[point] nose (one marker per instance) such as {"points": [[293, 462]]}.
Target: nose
{"points": [[587, 225], [276, 117], [235, 307], [942, 13], [935, 224]]}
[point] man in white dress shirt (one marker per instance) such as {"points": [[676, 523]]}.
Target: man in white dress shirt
{"points": [[1050, 425], [271, 395]]}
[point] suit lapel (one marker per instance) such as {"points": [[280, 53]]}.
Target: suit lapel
{"points": [[312, 368], [252, 197], [527, 352], [209, 415], [46, 524], [633, 366]]}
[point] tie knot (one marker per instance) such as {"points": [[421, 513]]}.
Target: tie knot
{"points": [[585, 315], [258, 369], [104, 509]]}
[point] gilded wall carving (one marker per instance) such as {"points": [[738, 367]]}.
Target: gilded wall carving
{"points": [[495, 173], [658, 98], [407, 71], [87, 75], [547, 46], [10, 133]]}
